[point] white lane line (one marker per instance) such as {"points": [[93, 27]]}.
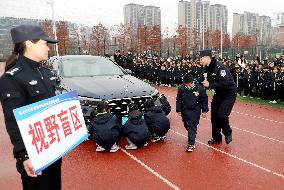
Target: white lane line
{"points": [[249, 115], [150, 170], [258, 117], [235, 157], [253, 133]]}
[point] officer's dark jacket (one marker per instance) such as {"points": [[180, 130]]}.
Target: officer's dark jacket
{"points": [[105, 130], [135, 128], [191, 101], [157, 121], [219, 77], [25, 83]]}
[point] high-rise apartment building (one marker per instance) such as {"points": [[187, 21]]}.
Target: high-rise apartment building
{"points": [[252, 24], [139, 15], [200, 16], [218, 17], [281, 30]]}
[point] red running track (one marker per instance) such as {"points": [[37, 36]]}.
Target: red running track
{"points": [[254, 160]]}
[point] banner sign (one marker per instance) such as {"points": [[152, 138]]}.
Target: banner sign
{"points": [[51, 128]]}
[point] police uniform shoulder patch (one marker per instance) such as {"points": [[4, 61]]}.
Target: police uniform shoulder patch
{"points": [[223, 73], [14, 70]]}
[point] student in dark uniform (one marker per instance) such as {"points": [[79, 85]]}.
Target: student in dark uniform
{"points": [[282, 82], [237, 78], [156, 120], [265, 83], [220, 79], [104, 129], [135, 129], [26, 82], [249, 83], [191, 101], [274, 85]]}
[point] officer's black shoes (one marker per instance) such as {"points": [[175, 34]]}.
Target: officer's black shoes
{"points": [[228, 138], [213, 141]]}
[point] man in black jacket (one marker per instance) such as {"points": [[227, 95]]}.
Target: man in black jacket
{"points": [[221, 81]]}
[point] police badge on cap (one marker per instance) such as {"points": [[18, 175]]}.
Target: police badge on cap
{"points": [[29, 32]]}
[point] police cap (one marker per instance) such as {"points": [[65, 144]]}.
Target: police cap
{"points": [[206, 52], [25, 32]]}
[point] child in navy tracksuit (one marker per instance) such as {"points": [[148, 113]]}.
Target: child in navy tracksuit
{"points": [[156, 120], [191, 101], [104, 129], [135, 129]]}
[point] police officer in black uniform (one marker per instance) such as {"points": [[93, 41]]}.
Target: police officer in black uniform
{"points": [[220, 79], [26, 82]]}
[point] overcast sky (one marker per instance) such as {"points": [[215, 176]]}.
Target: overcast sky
{"points": [[110, 12]]}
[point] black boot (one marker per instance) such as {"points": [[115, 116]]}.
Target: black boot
{"points": [[228, 138], [213, 141]]}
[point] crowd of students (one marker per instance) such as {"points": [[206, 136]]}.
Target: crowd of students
{"points": [[256, 79]]}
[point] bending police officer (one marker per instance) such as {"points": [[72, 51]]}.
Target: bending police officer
{"points": [[220, 79]]}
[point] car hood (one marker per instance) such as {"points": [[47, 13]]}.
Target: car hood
{"points": [[108, 87]]}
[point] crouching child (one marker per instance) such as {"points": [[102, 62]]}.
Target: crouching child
{"points": [[135, 129], [156, 120], [104, 129], [191, 101]]}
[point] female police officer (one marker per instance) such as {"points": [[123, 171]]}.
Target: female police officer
{"points": [[220, 79], [26, 82]]}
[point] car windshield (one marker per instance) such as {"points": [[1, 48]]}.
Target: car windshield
{"points": [[91, 66]]}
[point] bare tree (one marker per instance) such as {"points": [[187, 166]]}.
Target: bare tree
{"points": [[63, 37]]}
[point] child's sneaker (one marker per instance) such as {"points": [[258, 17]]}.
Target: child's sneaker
{"points": [[189, 148], [114, 148], [146, 144], [100, 148], [131, 147], [163, 137], [155, 138]]}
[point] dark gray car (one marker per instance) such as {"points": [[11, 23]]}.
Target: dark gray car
{"points": [[96, 78]]}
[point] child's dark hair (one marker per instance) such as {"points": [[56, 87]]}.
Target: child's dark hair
{"points": [[149, 103], [133, 107], [187, 78], [102, 106]]}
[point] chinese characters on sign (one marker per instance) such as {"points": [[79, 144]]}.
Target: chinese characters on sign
{"points": [[51, 128], [45, 133]]}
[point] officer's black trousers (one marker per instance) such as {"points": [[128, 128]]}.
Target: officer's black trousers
{"points": [[221, 108], [49, 180]]}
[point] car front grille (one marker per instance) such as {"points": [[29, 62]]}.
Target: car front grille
{"points": [[119, 107]]}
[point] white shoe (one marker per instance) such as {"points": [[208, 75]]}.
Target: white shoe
{"points": [[114, 148], [274, 102], [100, 148], [163, 137], [146, 144], [131, 147], [244, 96], [270, 102]]}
